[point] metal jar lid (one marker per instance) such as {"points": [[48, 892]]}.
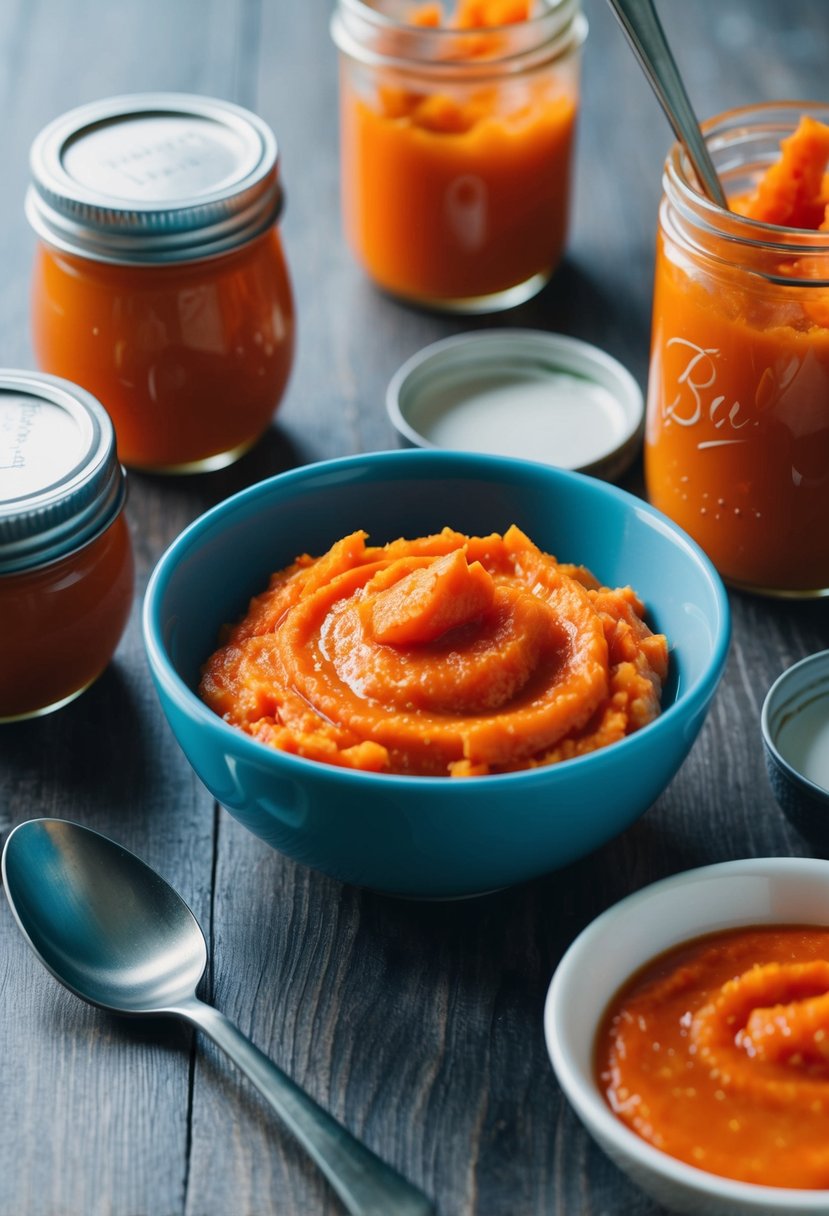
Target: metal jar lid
{"points": [[61, 483], [153, 178], [521, 392]]}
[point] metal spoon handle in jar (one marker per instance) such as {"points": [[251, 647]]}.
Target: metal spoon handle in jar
{"points": [[644, 32], [366, 1185]]}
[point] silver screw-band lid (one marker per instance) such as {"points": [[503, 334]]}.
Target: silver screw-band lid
{"points": [[154, 178], [61, 483]]}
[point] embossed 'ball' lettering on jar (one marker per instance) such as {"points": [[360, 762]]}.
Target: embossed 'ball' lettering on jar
{"points": [[737, 432], [457, 145], [66, 562], [160, 283]]}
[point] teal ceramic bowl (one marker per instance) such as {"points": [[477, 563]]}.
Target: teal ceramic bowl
{"points": [[432, 837]]}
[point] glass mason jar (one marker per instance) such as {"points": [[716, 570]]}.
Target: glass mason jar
{"points": [[456, 150], [66, 562], [160, 283], [737, 432]]}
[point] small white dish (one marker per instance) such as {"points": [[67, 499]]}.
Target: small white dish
{"points": [[521, 392], [771, 890]]}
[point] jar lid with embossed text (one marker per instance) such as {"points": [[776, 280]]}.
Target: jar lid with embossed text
{"points": [[61, 484], [153, 178]]}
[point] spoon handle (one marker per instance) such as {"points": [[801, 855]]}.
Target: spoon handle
{"points": [[639, 20], [366, 1185]]}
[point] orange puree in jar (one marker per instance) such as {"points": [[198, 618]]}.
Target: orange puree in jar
{"points": [[66, 559], [794, 192], [717, 1052], [737, 442], [66, 620], [191, 361], [455, 172], [447, 654], [160, 283]]}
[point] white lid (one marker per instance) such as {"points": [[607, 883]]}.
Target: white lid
{"points": [[521, 392]]}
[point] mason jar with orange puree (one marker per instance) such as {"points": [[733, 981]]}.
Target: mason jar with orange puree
{"points": [[737, 439], [457, 134], [160, 283], [66, 559]]}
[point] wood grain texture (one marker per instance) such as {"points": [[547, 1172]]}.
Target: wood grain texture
{"points": [[418, 1025]]}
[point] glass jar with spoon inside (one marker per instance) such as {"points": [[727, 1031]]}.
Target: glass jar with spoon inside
{"points": [[737, 432]]}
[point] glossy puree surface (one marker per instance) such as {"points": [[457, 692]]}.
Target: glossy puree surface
{"points": [[446, 654], [717, 1052]]}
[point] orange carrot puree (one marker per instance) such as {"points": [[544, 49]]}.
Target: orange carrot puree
{"points": [[737, 449], [455, 191], [189, 359], [63, 621], [474, 14], [447, 654], [794, 192], [717, 1052]]}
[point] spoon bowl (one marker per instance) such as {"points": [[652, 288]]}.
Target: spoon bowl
{"points": [[105, 924], [118, 936]]}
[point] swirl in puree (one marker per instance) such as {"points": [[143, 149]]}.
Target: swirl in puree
{"points": [[718, 1053], [445, 655]]}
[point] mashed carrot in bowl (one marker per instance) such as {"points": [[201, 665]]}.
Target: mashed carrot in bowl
{"points": [[428, 835], [443, 655]]}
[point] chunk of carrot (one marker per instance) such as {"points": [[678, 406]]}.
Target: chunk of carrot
{"points": [[427, 15], [426, 603], [791, 192]]}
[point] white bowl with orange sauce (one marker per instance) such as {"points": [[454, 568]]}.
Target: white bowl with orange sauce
{"points": [[621, 942]]}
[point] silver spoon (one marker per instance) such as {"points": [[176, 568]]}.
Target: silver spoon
{"points": [[117, 935], [645, 34]]}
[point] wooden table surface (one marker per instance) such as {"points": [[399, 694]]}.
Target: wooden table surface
{"points": [[419, 1026]]}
